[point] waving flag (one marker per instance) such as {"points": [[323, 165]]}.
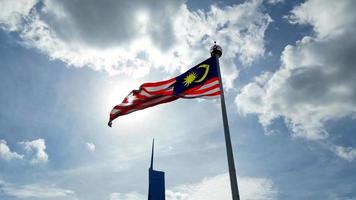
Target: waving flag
{"points": [[200, 81]]}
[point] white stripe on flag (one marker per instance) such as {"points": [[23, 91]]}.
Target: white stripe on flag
{"points": [[202, 94], [114, 111], [144, 93], [149, 103], [209, 85], [160, 87], [155, 101]]}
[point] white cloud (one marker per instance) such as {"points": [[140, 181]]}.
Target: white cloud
{"points": [[328, 17], [315, 83], [35, 191], [212, 188], [91, 146], [13, 12], [239, 29], [5, 152], [131, 37], [274, 1], [128, 196], [38, 147], [218, 187], [347, 153]]}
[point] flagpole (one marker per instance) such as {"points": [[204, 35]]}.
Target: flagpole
{"points": [[216, 52]]}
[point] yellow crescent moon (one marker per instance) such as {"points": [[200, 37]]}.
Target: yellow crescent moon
{"points": [[206, 66]]}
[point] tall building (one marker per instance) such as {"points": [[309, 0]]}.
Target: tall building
{"points": [[156, 187]]}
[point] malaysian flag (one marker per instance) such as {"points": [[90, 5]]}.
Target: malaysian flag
{"points": [[200, 81]]}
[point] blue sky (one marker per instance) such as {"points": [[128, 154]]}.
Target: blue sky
{"points": [[288, 69]]}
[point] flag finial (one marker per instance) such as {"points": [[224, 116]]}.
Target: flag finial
{"points": [[216, 50]]}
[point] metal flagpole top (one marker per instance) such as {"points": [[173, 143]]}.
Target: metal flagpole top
{"points": [[216, 50]]}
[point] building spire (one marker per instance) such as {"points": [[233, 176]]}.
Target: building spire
{"points": [[153, 147]]}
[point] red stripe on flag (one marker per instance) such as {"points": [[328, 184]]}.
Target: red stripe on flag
{"points": [[203, 90], [210, 93], [159, 92], [155, 84], [206, 83], [123, 110]]}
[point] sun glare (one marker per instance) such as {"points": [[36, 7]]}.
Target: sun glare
{"points": [[116, 91], [142, 17]]}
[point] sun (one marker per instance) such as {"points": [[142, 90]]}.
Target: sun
{"points": [[190, 78]]}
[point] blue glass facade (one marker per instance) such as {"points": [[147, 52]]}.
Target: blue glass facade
{"points": [[156, 188]]}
